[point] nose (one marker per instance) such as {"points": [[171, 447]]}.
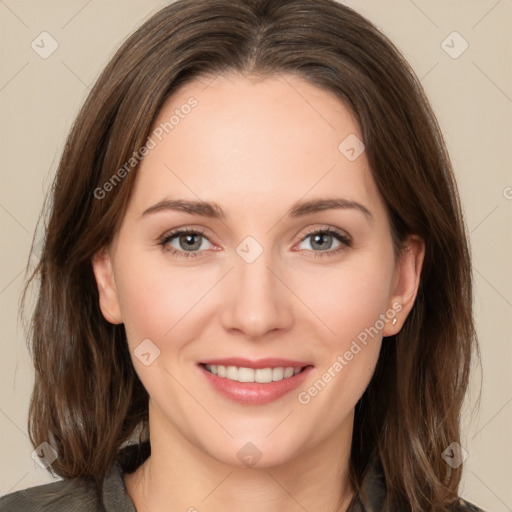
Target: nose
{"points": [[258, 301]]}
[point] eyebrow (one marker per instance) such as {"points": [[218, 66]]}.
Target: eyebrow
{"points": [[213, 210]]}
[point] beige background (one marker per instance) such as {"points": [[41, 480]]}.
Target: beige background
{"points": [[471, 94]]}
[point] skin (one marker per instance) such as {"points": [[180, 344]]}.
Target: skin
{"points": [[254, 147]]}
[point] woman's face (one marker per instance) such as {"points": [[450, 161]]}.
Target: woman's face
{"points": [[267, 278]]}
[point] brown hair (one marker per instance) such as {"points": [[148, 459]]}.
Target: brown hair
{"points": [[87, 399]]}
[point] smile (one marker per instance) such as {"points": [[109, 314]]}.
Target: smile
{"points": [[255, 382], [260, 375]]}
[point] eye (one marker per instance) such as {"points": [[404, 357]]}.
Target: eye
{"points": [[188, 242], [323, 239]]}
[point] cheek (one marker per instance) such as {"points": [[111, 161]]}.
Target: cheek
{"points": [[157, 301], [348, 299], [160, 304], [350, 304], [348, 349]]}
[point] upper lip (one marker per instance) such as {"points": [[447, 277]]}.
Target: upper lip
{"points": [[267, 362]]}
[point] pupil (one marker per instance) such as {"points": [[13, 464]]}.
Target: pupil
{"points": [[318, 239], [189, 241]]}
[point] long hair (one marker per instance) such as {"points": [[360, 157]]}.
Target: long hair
{"points": [[87, 399]]}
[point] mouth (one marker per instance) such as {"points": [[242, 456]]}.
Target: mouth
{"points": [[255, 382], [259, 375]]}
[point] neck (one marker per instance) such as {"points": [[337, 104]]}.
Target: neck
{"points": [[179, 476]]}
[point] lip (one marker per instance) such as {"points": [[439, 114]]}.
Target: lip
{"points": [[255, 393]]}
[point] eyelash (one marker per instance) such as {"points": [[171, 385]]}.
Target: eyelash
{"points": [[345, 240]]}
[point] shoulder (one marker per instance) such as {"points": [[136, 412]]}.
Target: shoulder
{"points": [[466, 506], [75, 495], [81, 494], [372, 495]]}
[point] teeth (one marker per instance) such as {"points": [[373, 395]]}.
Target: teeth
{"points": [[244, 375], [232, 373], [277, 373], [261, 375]]}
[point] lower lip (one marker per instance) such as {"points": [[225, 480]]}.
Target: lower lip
{"points": [[255, 393]]}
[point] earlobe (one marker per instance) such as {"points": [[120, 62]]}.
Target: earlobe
{"points": [[107, 290], [406, 283]]}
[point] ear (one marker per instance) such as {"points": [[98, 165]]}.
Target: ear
{"points": [[107, 289], [405, 283]]}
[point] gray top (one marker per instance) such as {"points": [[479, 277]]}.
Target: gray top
{"points": [[79, 495]]}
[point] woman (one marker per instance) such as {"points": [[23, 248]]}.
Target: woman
{"points": [[256, 270]]}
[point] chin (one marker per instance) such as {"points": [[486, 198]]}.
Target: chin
{"points": [[258, 452]]}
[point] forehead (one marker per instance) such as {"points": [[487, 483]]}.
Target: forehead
{"points": [[249, 144]]}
